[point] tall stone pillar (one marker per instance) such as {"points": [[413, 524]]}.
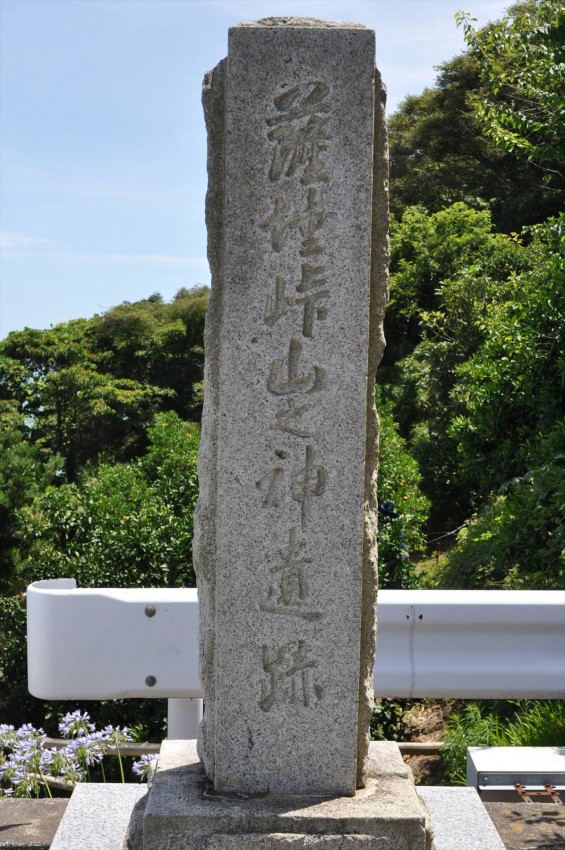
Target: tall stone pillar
{"points": [[285, 525]]}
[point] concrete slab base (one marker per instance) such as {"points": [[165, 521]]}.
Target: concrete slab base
{"points": [[183, 812], [533, 825], [29, 824]]}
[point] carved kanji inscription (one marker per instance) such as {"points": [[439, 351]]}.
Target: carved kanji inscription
{"points": [[307, 219], [300, 132], [312, 280], [289, 589], [307, 484], [291, 676], [277, 304], [287, 380], [290, 418]]}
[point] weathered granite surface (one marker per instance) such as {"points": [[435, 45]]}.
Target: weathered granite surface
{"points": [[285, 529], [459, 819], [456, 815], [29, 824], [97, 817], [184, 812]]}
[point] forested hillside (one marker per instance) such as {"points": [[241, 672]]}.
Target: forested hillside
{"points": [[474, 369], [100, 416]]}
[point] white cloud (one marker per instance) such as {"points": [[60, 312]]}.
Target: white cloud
{"points": [[112, 191], [14, 245], [24, 177], [21, 245], [172, 260]]}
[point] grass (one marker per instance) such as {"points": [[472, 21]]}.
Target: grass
{"points": [[514, 723]]}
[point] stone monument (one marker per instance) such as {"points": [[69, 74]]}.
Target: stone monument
{"points": [[286, 576], [286, 522]]}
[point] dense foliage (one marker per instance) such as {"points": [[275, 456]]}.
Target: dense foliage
{"points": [[97, 469], [119, 525], [87, 389], [438, 156], [83, 394], [475, 364], [478, 385], [521, 62], [403, 508], [126, 525]]}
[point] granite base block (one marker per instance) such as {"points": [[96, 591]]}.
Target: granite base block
{"points": [[97, 817], [459, 819], [183, 812]]}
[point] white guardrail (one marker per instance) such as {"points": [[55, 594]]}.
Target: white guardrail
{"points": [[108, 643]]}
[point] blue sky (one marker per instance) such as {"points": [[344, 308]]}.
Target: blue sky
{"points": [[102, 140]]}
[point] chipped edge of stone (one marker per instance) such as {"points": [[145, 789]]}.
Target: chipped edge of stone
{"points": [[298, 22], [204, 546], [378, 300]]}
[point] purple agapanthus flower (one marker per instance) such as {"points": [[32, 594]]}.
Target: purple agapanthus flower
{"points": [[145, 766], [76, 723], [86, 749], [7, 734], [26, 762], [116, 736]]}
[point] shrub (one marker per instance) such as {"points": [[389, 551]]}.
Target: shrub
{"points": [[521, 723], [126, 525], [386, 721], [403, 508]]}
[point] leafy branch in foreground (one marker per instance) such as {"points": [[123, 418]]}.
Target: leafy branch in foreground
{"points": [[521, 61]]}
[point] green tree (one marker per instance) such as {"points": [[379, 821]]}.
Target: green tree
{"points": [[159, 345], [509, 430], [15, 700], [437, 157], [512, 390], [122, 525], [427, 250], [521, 61], [23, 475], [447, 270], [517, 540], [88, 388], [403, 508], [71, 407]]}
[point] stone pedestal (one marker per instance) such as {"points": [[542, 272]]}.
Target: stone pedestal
{"points": [[183, 812]]}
